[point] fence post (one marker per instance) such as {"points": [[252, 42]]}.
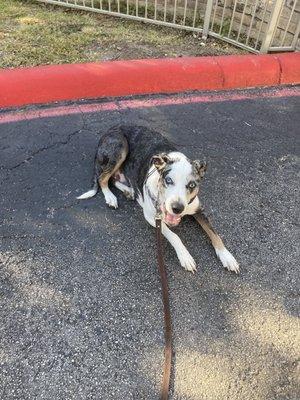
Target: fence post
{"points": [[272, 25], [207, 16], [296, 37]]}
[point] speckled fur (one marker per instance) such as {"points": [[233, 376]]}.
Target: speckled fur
{"points": [[139, 160]]}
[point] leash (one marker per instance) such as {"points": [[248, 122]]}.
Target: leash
{"points": [[167, 315]]}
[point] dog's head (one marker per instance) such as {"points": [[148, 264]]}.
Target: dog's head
{"points": [[179, 183]]}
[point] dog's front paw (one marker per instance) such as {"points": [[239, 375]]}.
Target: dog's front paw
{"points": [[228, 261], [111, 200], [187, 261]]}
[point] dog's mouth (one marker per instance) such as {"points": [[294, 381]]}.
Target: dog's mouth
{"points": [[171, 219]]}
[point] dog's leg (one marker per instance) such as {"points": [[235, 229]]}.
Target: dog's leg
{"points": [[109, 172], [127, 191], [111, 153], [224, 255], [185, 259], [122, 184], [110, 198]]}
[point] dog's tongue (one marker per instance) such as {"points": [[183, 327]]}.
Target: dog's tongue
{"points": [[172, 219]]}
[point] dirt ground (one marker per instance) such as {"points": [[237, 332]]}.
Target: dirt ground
{"points": [[34, 34]]}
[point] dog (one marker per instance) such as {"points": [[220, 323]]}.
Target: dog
{"points": [[145, 166]]}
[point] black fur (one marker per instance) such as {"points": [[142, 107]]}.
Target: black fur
{"points": [[143, 143]]}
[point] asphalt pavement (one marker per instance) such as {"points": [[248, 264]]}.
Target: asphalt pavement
{"points": [[80, 297]]}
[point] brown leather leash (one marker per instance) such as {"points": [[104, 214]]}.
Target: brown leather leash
{"points": [[167, 315]]}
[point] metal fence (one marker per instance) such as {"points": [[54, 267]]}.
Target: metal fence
{"points": [[259, 26]]}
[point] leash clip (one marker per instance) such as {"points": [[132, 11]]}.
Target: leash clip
{"points": [[158, 215]]}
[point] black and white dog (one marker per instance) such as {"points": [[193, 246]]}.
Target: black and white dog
{"points": [[144, 165]]}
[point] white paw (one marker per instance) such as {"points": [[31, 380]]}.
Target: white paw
{"points": [[186, 260], [111, 200], [228, 260]]}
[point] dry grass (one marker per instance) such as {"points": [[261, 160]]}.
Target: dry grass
{"points": [[33, 34]]}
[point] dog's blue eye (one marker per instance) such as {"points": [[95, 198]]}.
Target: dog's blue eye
{"points": [[192, 185], [168, 180]]}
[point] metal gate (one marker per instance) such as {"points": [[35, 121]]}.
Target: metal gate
{"points": [[259, 26]]}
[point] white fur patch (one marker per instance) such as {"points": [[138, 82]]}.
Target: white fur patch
{"points": [[186, 260], [180, 173], [110, 198], [87, 195], [140, 199], [228, 260], [177, 155]]}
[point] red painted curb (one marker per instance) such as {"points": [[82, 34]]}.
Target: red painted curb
{"points": [[121, 78], [290, 67], [250, 71]]}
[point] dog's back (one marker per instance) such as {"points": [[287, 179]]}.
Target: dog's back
{"points": [[143, 143], [125, 150]]}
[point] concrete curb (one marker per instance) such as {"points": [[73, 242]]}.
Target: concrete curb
{"points": [[46, 84]]}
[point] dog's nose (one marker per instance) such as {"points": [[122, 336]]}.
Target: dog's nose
{"points": [[177, 208]]}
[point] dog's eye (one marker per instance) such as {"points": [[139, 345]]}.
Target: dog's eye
{"points": [[168, 180], [192, 185]]}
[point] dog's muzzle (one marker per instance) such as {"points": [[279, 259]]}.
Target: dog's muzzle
{"points": [[173, 218]]}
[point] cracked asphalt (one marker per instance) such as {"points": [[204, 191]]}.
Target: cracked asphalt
{"points": [[80, 306]]}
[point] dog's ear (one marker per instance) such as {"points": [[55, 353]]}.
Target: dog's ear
{"points": [[160, 161], [199, 167]]}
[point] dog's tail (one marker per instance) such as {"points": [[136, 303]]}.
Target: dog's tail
{"points": [[92, 192]]}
